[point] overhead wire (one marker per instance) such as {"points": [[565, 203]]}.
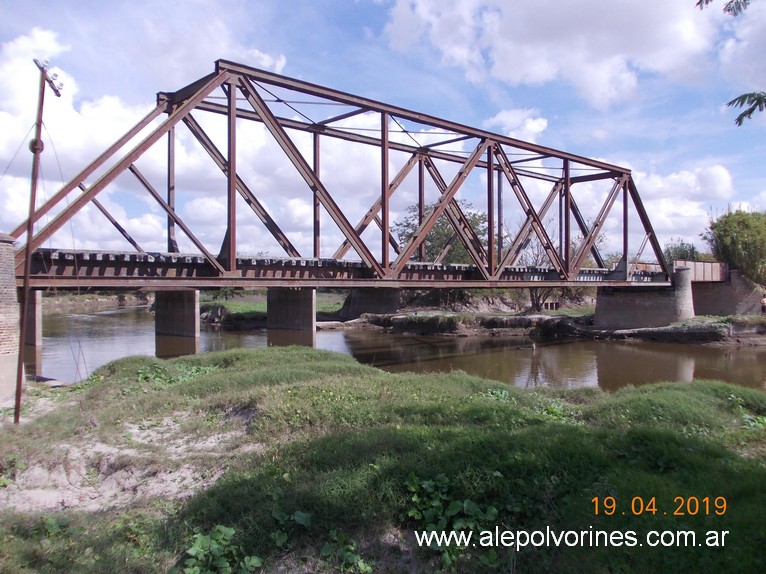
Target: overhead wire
{"points": [[78, 353]]}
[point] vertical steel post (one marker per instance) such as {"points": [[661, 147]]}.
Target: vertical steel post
{"points": [[625, 246], [491, 259], [421, 202], [231, 254], [317, 204], [500, 229], [385, 231], [567, 220], [172, 243]]}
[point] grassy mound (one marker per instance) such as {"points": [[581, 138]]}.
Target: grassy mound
{"points": [[296, 460]]}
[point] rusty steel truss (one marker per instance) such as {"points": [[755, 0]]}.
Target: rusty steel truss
{"points": [[244, 94]]}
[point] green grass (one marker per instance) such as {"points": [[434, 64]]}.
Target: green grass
{"points": [[256, 305], [350, 460]]}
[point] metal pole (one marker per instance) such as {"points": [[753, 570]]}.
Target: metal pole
{"points": [[36, 147], [491, 260], [421, 203], [384, 227], [172, 243], [231, 187], [317, 205]]}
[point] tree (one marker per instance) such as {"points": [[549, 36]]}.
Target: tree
{"points": [[678, 249], [442, 233], [751, 101], [739, 239]]}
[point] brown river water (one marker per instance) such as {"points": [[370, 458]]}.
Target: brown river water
{"points": [[75, 344]]}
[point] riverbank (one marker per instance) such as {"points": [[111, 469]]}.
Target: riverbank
{"points": [[745, 330], [320, 464]]}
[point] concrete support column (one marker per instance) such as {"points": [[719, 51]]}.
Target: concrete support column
{"points": [[682, 283], [33, 337], [371, 300], [9, 318], [291, 308], [176, 323]]}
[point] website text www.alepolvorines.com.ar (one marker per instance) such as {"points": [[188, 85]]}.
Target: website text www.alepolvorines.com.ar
{"points": [[520, 539]]}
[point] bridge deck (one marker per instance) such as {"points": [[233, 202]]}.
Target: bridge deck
{"points": [[81, 269]]}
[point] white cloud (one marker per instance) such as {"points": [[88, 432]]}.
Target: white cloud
{"points": [[594, 45], [523, 124], [741, 54]]}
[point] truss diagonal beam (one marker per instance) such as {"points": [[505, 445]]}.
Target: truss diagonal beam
{"points": [[460, 224], [528, 208], [80, 178], [242, 187], [427, 224], [644, 217], [525, 232], [111, 174], [174, 216], [592, 235], [114, 222], [308, 174], [372, 213]]}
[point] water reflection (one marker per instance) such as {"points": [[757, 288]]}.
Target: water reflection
{"points": [[76, 344]]}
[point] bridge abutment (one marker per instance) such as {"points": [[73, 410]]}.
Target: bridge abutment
{"points": [[291, 308], [9, 318], [639, 307], [176, 323]]}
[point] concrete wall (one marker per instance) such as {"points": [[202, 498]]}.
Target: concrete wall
{"points": [[176, 323], [176, 313], [9, 318], [291, 308], [638, 307], [737, 296]]}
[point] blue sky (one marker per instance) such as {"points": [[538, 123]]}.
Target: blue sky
{"points": [[638, 83]]}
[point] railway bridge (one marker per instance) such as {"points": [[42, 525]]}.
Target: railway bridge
{"points": [[310, 180]]}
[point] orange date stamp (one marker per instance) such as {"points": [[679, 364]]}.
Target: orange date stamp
{"points": [[639, 505]]}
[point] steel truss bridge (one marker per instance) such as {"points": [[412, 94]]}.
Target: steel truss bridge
{"points": [[435, 155]]}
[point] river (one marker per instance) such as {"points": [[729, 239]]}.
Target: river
{"points": [[75, 344]]}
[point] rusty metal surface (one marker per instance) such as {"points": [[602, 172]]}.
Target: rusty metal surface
{"points": [[245, 94], [71, 268]]}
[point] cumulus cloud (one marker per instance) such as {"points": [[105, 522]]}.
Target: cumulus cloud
{"points": [[598, 47], [523, 124]]}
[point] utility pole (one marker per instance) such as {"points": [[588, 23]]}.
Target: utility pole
{"points": [[36, 147]]}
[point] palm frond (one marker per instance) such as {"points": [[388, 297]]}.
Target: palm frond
{"points": [[753, 100]]}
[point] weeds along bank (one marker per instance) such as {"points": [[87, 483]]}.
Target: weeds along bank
{"points": [[297, 460]]}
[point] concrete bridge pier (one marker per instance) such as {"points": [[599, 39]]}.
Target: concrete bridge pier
{"points": [[176, 323], [291, 308], [371, 300], [33, 336], [639, 307]]}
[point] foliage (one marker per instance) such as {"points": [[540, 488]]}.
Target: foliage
{"points": [[442, 233], [678, 249], [739, 239], [345, 552], [222, 294], [753, 100], [732, 7], [216, 553]]}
